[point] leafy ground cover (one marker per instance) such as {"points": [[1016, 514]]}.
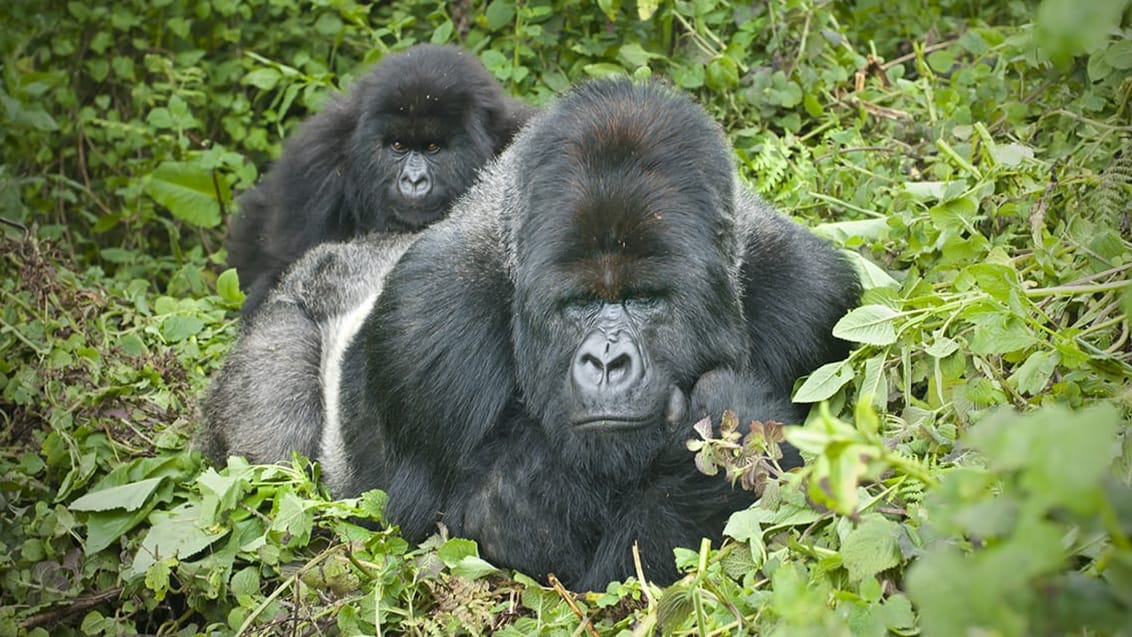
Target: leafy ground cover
{"points": [[969, 465]]}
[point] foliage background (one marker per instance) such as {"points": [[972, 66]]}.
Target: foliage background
{"points": [[969, 471]]}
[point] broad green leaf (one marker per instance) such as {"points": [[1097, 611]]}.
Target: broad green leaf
{"points": [[174, 534], [1011, 154], [245, 582], [264, 79], [455, 550], [128, 497], [178, 327], [634, 55], [1032, 376], [843, 231], [722, 74], [472, 567], [869, 324], [870, 547], [188, 191], [293, 520], [499, 14], [228, 287], [824, 382]]}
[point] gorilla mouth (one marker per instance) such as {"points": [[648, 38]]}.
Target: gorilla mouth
{"points": [[610, 423]]}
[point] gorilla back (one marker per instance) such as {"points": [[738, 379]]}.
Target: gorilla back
{"points": [[535, 362]]}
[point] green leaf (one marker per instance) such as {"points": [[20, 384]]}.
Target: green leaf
{"points": [[1119, 54], [870, 547], [722, 73], [328, 24], [869, 324], [228, 287], [1032, 376], [824, 382], [646, 9], [188, 191], [174, 534], [456, 550], [941, 61], [177, 328], [603, 69], [634, 55], [128, 497], [264, 79], [499, 14], [472, 567]]}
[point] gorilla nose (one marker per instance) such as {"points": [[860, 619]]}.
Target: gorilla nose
{"points": [[607, 364], [414, 181]]}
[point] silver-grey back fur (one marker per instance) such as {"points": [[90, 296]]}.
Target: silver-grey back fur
{"points": [[267, 400]]}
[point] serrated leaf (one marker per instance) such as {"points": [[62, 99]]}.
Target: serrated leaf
{"points": [[870, 548], [869, 324], [177, 328], [824, 382], [174, 534], [188, 191], [128, 497], [1032, 376]]}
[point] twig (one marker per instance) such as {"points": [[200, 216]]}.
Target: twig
{"points": [[927, 49], [75, 607], [640, 570], [878, 111], [569, 599]]}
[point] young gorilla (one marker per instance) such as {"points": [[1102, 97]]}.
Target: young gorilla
{"points": [[390, 156], [533, 365]]}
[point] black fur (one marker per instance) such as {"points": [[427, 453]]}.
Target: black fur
{"points": [[534, 364], [390, 156]]}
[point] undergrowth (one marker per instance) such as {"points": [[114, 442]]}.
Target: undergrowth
{"points": [[968, 465]]}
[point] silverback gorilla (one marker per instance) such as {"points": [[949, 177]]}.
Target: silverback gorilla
{"points": [[530, 368], [389, 156]]}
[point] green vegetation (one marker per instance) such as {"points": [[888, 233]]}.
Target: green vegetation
{"points": [[969, 465]]}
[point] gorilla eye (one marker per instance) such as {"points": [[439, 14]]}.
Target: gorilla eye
{"points": [[645, 302], [398, 145], [581, 307], [432, 147]]}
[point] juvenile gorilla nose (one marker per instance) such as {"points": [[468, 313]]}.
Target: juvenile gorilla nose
{"points": [[414, 181], [607, 363]]}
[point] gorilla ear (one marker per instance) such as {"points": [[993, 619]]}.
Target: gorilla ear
{"points": [[506, 119]]}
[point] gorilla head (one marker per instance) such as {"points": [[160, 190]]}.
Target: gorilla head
{"points": [[390, 156], [625, 268], [428, 118]]}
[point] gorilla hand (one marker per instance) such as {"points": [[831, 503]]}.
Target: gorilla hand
{"points": [[750, 398]]}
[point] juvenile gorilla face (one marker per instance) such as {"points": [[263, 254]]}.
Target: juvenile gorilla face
{"points": [[624, 279], [424, 162], [422, 136]]}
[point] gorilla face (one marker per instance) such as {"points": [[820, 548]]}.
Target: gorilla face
{"points": [[422, 141], [611, 225]]}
